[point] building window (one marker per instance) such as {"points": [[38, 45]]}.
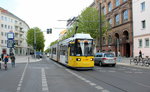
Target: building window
{"points": [[117, 19], [2, 25], [2, 17], [109, 6], [142, 6], [117, 3], [110, 23], [143, 24], [104, 10], [125, 16], [1, 41], [147, 42], [109, 40], [124, 0], [5, 26], [2, 33], [140, 43], [5, 18]]}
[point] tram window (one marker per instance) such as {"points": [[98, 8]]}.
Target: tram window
{"points": [[72, 50]]}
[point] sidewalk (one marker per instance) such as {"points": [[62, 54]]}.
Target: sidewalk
{"points": [[126, 61], [25, 59]]}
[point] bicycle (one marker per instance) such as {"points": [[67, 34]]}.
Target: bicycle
{"points": [[5, 65]]}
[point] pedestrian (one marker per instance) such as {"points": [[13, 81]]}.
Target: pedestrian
{"points": [[119, 56], [0, 62], [12, 60], [140, 54], [5, 60], [2, 56]]}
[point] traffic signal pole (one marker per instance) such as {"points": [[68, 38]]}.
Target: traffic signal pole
{"points": [[100, 27]]}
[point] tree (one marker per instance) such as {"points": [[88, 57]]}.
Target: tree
{"points": [[39, 38], [88, 22]]}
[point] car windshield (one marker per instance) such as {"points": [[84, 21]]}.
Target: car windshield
{"points": [[109, 55]]}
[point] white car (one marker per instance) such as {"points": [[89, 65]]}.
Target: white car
{"points": [[105, 58]]}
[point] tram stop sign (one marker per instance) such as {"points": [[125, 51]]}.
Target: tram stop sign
{"points": [[10, 36], [10, 40]]}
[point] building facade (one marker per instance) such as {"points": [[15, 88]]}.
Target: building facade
{"points": [[119, 36], [141, 22], [10, 22]]}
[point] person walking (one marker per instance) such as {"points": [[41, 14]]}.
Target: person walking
{"points": [[0, 62], [119, 56], [140, 54], [12, 60]]}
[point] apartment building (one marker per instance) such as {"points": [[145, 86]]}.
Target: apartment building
{"points": [[141, 28], [119, 36], [10, 22]]}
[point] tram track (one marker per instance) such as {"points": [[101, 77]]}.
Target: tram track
{"points": [[92, 76], [100, 80]]}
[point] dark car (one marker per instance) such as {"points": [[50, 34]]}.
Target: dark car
{"points": [[105, 58]]}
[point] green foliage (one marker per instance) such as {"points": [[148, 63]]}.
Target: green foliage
{"points": [[47, 50], [88, 22], [54, 42], [39, 38]]}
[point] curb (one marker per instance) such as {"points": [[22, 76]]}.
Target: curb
{"points": [[134, 66]]}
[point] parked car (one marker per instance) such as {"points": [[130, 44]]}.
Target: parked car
{"points": [[39, 55], [105, 58]]}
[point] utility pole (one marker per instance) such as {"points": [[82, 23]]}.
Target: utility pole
{"points": [[35, 43], [100, 27]]}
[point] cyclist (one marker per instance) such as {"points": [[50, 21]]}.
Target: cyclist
{"points": [[5, 61]]}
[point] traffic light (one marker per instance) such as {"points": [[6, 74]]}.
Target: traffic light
{"points": [[49, 31]]}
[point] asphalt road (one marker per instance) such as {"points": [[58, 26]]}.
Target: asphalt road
{"points": [[49, 76]]}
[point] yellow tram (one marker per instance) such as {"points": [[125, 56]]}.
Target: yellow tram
{"points": [[75, 52]]}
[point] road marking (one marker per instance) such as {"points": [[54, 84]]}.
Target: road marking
{"points": [[143, 85], [105, 91], [87, 81], [57, 65], [22, 77], [44, 81], [128, 72], [111, 71], [138, 72]]}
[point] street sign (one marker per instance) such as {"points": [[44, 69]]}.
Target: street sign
{"points": [[10, 36], [10, 43]]}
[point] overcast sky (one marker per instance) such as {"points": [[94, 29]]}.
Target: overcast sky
{"points": [[46, 13]]}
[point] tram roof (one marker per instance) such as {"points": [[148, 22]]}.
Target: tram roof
{"points": [[76, 36]]}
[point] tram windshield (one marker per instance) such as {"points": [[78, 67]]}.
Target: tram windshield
{"points": [[84, 47]]}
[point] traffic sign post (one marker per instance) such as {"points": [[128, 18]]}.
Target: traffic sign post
{"points": [[10, 41]]}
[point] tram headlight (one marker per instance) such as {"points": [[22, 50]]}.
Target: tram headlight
{"points": [[78, 59], [91, 59]]}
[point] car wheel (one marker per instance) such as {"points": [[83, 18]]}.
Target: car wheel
{"points": [[100, 63]]}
